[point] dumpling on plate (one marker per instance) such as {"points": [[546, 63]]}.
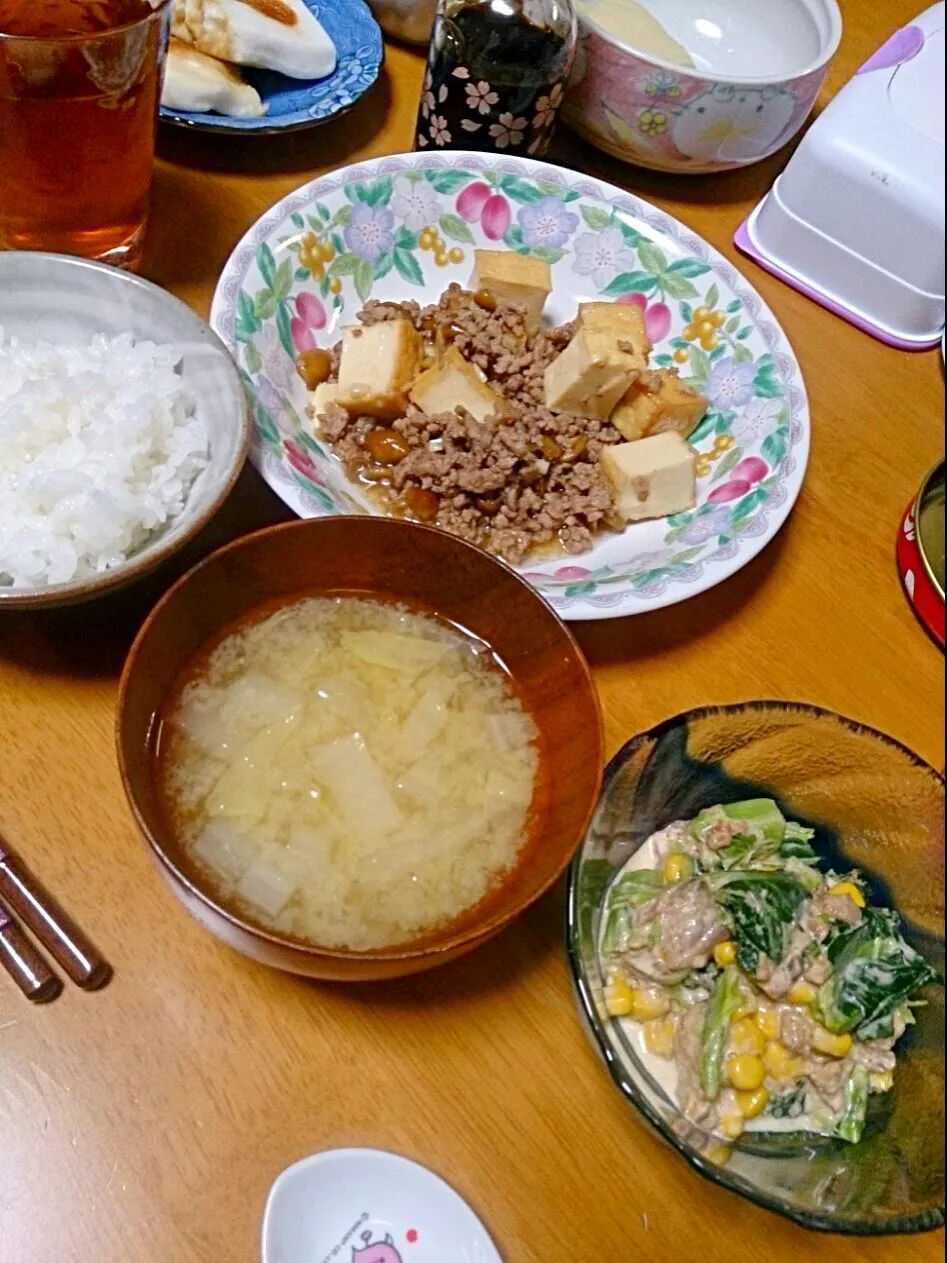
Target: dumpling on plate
{"points": [[196, 83], [281, 35]]}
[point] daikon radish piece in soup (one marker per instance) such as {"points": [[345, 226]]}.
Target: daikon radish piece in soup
{"points": [[348, 772]]}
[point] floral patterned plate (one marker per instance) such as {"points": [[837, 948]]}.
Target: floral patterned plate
{"points": [[405, 226], [296, 103]]}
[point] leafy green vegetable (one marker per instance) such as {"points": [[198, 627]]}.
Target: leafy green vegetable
{"points": [[789, 1104], [708, 819], [804, 873], [796, 844], [876, 971], [760, 908], [629, 891], [635, 888], [724, 1002], [745, 852], [617, 936], [761, 816], [851, 1121], [758, 850]]}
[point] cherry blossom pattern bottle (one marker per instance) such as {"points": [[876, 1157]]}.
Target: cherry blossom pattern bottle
{"points": [[496, 75]]}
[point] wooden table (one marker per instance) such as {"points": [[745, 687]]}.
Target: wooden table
{"points": [[145, 1124]]}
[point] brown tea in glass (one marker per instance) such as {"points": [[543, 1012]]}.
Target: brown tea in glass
{"points": [[80, 84]]}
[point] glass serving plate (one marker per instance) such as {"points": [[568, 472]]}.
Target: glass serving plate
{"points": [[875, 806]]}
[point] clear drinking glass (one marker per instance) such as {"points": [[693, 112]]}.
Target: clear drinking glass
{"points": [[80, 85]]}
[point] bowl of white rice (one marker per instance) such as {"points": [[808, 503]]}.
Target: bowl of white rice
{"points": [[123, 427]]}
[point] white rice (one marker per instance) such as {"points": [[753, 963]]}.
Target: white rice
{"points": [[99, 447]]}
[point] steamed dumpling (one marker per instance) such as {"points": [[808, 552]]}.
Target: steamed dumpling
{"points": [[196, 83], [281, 35]]}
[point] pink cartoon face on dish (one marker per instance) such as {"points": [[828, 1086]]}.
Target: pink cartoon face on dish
{"points": [[375, 1252]]}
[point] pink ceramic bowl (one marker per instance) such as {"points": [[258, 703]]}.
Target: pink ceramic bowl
{"points": [[757, 69]]}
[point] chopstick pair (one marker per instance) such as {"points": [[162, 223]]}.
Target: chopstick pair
{"points": [[24, 898]]}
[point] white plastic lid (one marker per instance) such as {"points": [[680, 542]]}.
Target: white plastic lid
{"points": [[870, 171], [857, 218]]}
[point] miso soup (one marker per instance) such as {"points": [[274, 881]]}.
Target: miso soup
{"points": [[349, 772]]}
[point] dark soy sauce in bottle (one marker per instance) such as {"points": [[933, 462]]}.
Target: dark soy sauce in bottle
{"points": [[497, 73]]}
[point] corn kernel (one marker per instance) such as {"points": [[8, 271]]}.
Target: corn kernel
{"points": [[678, 868], [726, 953], [849, 888], [719, 1155], [659, 1036], [753, 1103], [801, 992], [881, 1081], [824, 1041], [746, 1037], [769, 1023], [732, 1126], [646, 1005], [618, 1000], [746, 1072], [781, 1064]]}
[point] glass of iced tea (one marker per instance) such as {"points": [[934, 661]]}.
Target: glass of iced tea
{"points": [[80, 84]]}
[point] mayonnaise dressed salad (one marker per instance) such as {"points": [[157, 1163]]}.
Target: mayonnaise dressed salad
{"points": [[760, 992]]}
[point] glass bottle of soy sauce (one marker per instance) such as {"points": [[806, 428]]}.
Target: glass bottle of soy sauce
{"points": [[496, 75]]}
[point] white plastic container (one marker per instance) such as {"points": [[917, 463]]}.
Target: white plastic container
{"points": [[856, 220]]}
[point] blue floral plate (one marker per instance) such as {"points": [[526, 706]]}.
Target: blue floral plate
{"points": [[296, 103], [305, 269]]}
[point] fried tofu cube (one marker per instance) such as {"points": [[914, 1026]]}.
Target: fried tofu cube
{"points": [[322, 398], [455, 383], [590, 376], [514, 278], [653, 477], [379, 363], [623, 322], [658, 405]]}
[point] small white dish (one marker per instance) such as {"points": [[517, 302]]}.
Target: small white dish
{"points": [[367, 1206]]}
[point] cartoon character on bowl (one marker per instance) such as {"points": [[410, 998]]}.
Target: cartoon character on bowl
{"points": [[734, 124], [375, 1252], [673, 118]]}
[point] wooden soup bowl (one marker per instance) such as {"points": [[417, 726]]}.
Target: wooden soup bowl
{"points": [[401, 562]]}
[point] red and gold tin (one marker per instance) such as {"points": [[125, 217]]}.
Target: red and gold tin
{"points": [[921, 553]]}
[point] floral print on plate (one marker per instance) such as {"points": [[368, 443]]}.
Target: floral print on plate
{"points": [[406, 226]]}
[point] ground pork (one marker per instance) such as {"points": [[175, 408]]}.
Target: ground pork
{"points": [[689, 926], [511, 484]]}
